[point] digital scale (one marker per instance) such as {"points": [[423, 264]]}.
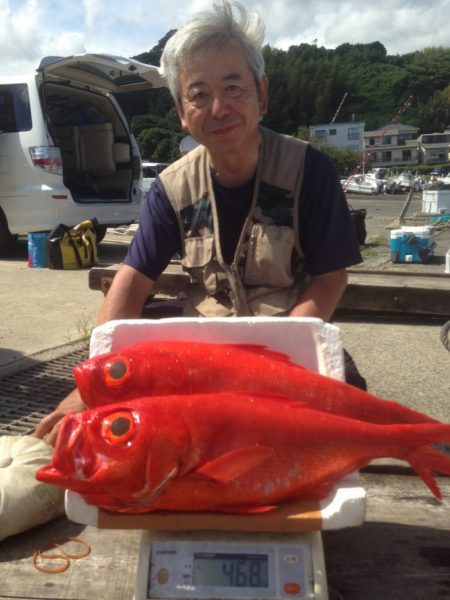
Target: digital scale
{"points": [[231, 566], [276, 555]]}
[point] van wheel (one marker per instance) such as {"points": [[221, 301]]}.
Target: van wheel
{"points": [[100, 232], [7, 240]]}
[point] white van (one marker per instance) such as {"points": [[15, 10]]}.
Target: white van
{"points": [[66, 150]]}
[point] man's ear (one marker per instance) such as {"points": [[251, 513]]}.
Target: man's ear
{"points": [[263, 93]]}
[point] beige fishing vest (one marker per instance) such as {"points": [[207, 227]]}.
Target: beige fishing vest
{"points": [[266, 276]]}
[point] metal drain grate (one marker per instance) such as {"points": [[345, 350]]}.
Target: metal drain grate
{"points": [[27, 395]]}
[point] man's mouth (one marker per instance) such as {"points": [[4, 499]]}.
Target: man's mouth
{"points": [[223, 130]]}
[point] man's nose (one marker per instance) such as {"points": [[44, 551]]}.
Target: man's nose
{"points": [[220, 105]]}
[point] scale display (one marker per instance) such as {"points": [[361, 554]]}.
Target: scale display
{"points": [[227, 570], [231, 570]]}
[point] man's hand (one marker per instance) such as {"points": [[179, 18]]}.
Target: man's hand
{"points": [[49, 425]]}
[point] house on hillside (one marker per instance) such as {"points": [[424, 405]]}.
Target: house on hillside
{"points": [[396, 145], [348, 136], [434, 147], [392, 146]]}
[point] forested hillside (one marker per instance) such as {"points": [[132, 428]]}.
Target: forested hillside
{"points": [[307, 84]]}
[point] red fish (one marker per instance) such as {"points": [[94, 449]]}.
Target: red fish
{"points": [[160, 368], [238, 452]]}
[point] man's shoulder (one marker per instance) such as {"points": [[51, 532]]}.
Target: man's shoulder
{"points": [[271, 136], [186, 163]]}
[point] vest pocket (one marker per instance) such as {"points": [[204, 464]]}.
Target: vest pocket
{"points": [[199, 262], [269, 254]]}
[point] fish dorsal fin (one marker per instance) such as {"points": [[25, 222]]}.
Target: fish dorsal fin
{"points": [[235, 463], [267, 352]]}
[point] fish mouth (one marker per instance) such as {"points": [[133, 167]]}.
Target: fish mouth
{"points": [[81, 380], [73, 462]]}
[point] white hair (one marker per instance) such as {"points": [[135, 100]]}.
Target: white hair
{"points": [[219, 28]]}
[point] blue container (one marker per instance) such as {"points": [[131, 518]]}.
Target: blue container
{"points": [[37, 250], [412, 244]]}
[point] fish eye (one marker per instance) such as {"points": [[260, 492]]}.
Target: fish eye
{"points": [[118, 428], [117, 371]]}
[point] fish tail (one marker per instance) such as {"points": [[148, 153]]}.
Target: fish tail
{"points": [[427, 463]]}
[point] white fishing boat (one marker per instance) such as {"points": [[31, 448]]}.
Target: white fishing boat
{"points": [[380, 175], [360, 184], [403, 183]]}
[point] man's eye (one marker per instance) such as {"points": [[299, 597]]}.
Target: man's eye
{"points": [[198, 99], [234, 91]]}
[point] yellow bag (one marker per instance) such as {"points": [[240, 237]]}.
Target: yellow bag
{"points": [[73, 247]]}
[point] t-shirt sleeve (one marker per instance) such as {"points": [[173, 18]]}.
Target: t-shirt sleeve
{"points": [[157, 238], [327, 235]]}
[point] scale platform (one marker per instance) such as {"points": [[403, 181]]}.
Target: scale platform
{"points": [[228, 556]]}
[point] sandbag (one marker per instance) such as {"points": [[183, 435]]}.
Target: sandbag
{"points": [[24, 501]]}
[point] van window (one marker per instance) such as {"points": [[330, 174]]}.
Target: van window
{"points": [[15, 113]]}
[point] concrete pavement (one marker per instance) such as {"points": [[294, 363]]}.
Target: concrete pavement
{"points": [[43, 309]]}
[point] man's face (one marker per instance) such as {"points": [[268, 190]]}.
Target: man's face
{"points": [[220, 103]]}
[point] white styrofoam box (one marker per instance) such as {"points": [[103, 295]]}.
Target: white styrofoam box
{"points": [[308, 341], [436, 201]]}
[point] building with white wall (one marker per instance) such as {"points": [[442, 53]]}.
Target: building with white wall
{"points": [[348, 136]]}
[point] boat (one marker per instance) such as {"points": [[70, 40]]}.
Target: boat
{"points": [[403, 183], [360, 184], [380, 175]]}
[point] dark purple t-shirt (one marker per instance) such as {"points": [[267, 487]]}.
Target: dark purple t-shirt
{"points": [[327, 235]]}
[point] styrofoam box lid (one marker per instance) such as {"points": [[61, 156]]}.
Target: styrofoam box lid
{"points": [[420, 230]]}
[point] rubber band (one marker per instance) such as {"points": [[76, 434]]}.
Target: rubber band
{"points": [[62, 554], [37, 556]]}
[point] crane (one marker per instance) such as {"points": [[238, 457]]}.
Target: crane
{"points": [[339, 108]]}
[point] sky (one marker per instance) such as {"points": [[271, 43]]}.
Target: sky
{"points": [[32, 29]]}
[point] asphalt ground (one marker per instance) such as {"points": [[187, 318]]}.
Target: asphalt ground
{"points": [[46, 312]]}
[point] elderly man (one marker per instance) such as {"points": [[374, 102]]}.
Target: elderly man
{"points": [[259, 219]]}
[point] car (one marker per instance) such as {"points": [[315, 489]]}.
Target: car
{"points": [[67, 153], [150, 171]]}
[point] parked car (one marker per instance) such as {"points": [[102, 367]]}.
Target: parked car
{"points": [[150, 171], [66, 150]]}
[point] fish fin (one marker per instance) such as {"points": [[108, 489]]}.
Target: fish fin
{"points": [[233, 464], [427, 462], [260, 349]]}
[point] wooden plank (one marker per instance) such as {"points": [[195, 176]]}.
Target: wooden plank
{"points": [[372, 291], [108, 572], [171, 282], [397, 293], [401, 552]]}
